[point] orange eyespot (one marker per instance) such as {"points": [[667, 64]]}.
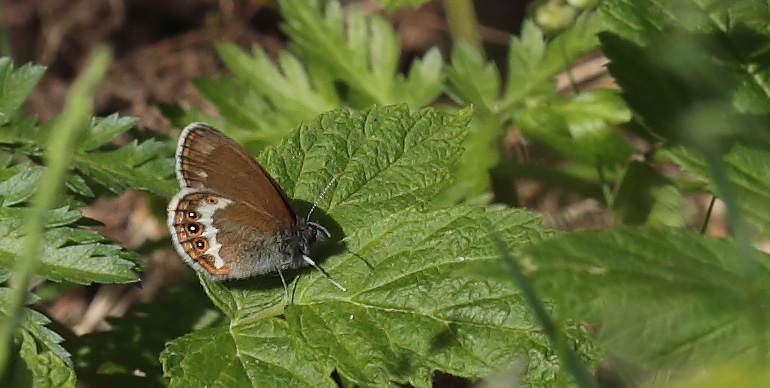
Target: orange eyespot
{"points": [[194, 229], [192, 215], [200, 244], [211, 200]]}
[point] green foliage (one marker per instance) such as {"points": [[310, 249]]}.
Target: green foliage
{"points": [[427, 290], [353, 61], [41, 231], [96, 162], [528, 100], [339, 61], [362, 52], [34, 323], [644, 196], [411, 307], [748, 174], [727, 375], [33, 368], [665, 297], [15, 85], [68, 253], [127, 355], [580, 128], [704, 67]]}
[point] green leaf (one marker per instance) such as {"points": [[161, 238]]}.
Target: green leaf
{"points": [[15, 85], [390, 159], [472, 178], [411, 311], [68, 253], [265, 97], [289, 89], [581, 128], [38, 369], [411, 305], [245, 354], [533, 62], [144, 166], [102, 130], [363, 54], [664, 297], [35, 323], [141, 166], [472, 79], [410, 308], [645, 196], [17, 183], [694, 74], [748, 173], [730, 374]]}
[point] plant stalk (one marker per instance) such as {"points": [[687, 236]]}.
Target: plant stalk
{"points": [[462, 23], [77, 112]]}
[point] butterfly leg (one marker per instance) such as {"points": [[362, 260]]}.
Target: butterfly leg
{"points": [[312, 263], [285, 287]]}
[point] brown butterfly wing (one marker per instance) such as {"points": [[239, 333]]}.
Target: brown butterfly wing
{"points": [[207, 159]]}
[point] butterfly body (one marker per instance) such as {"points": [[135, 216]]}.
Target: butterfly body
{"points": [[230, 219]]}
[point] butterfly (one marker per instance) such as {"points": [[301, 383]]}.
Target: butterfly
{"points": [[230, 219]]}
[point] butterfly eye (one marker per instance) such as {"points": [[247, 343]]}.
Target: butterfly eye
{"points": [[193, 215], [211, 200], [201, 244]]}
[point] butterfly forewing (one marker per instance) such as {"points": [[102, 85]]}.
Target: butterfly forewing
{"points": [[207, 159]]}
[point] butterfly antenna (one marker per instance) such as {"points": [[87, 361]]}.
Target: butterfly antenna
{"points": [[320, 197], [326, 275]]}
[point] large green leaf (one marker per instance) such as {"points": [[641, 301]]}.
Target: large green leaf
{"points": [[412, 306], [664, 297]]}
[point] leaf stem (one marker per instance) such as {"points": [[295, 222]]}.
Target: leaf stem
{"points": [[462, 23], [606, 190], [568, 68], [708, 215], [77, 111]]}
